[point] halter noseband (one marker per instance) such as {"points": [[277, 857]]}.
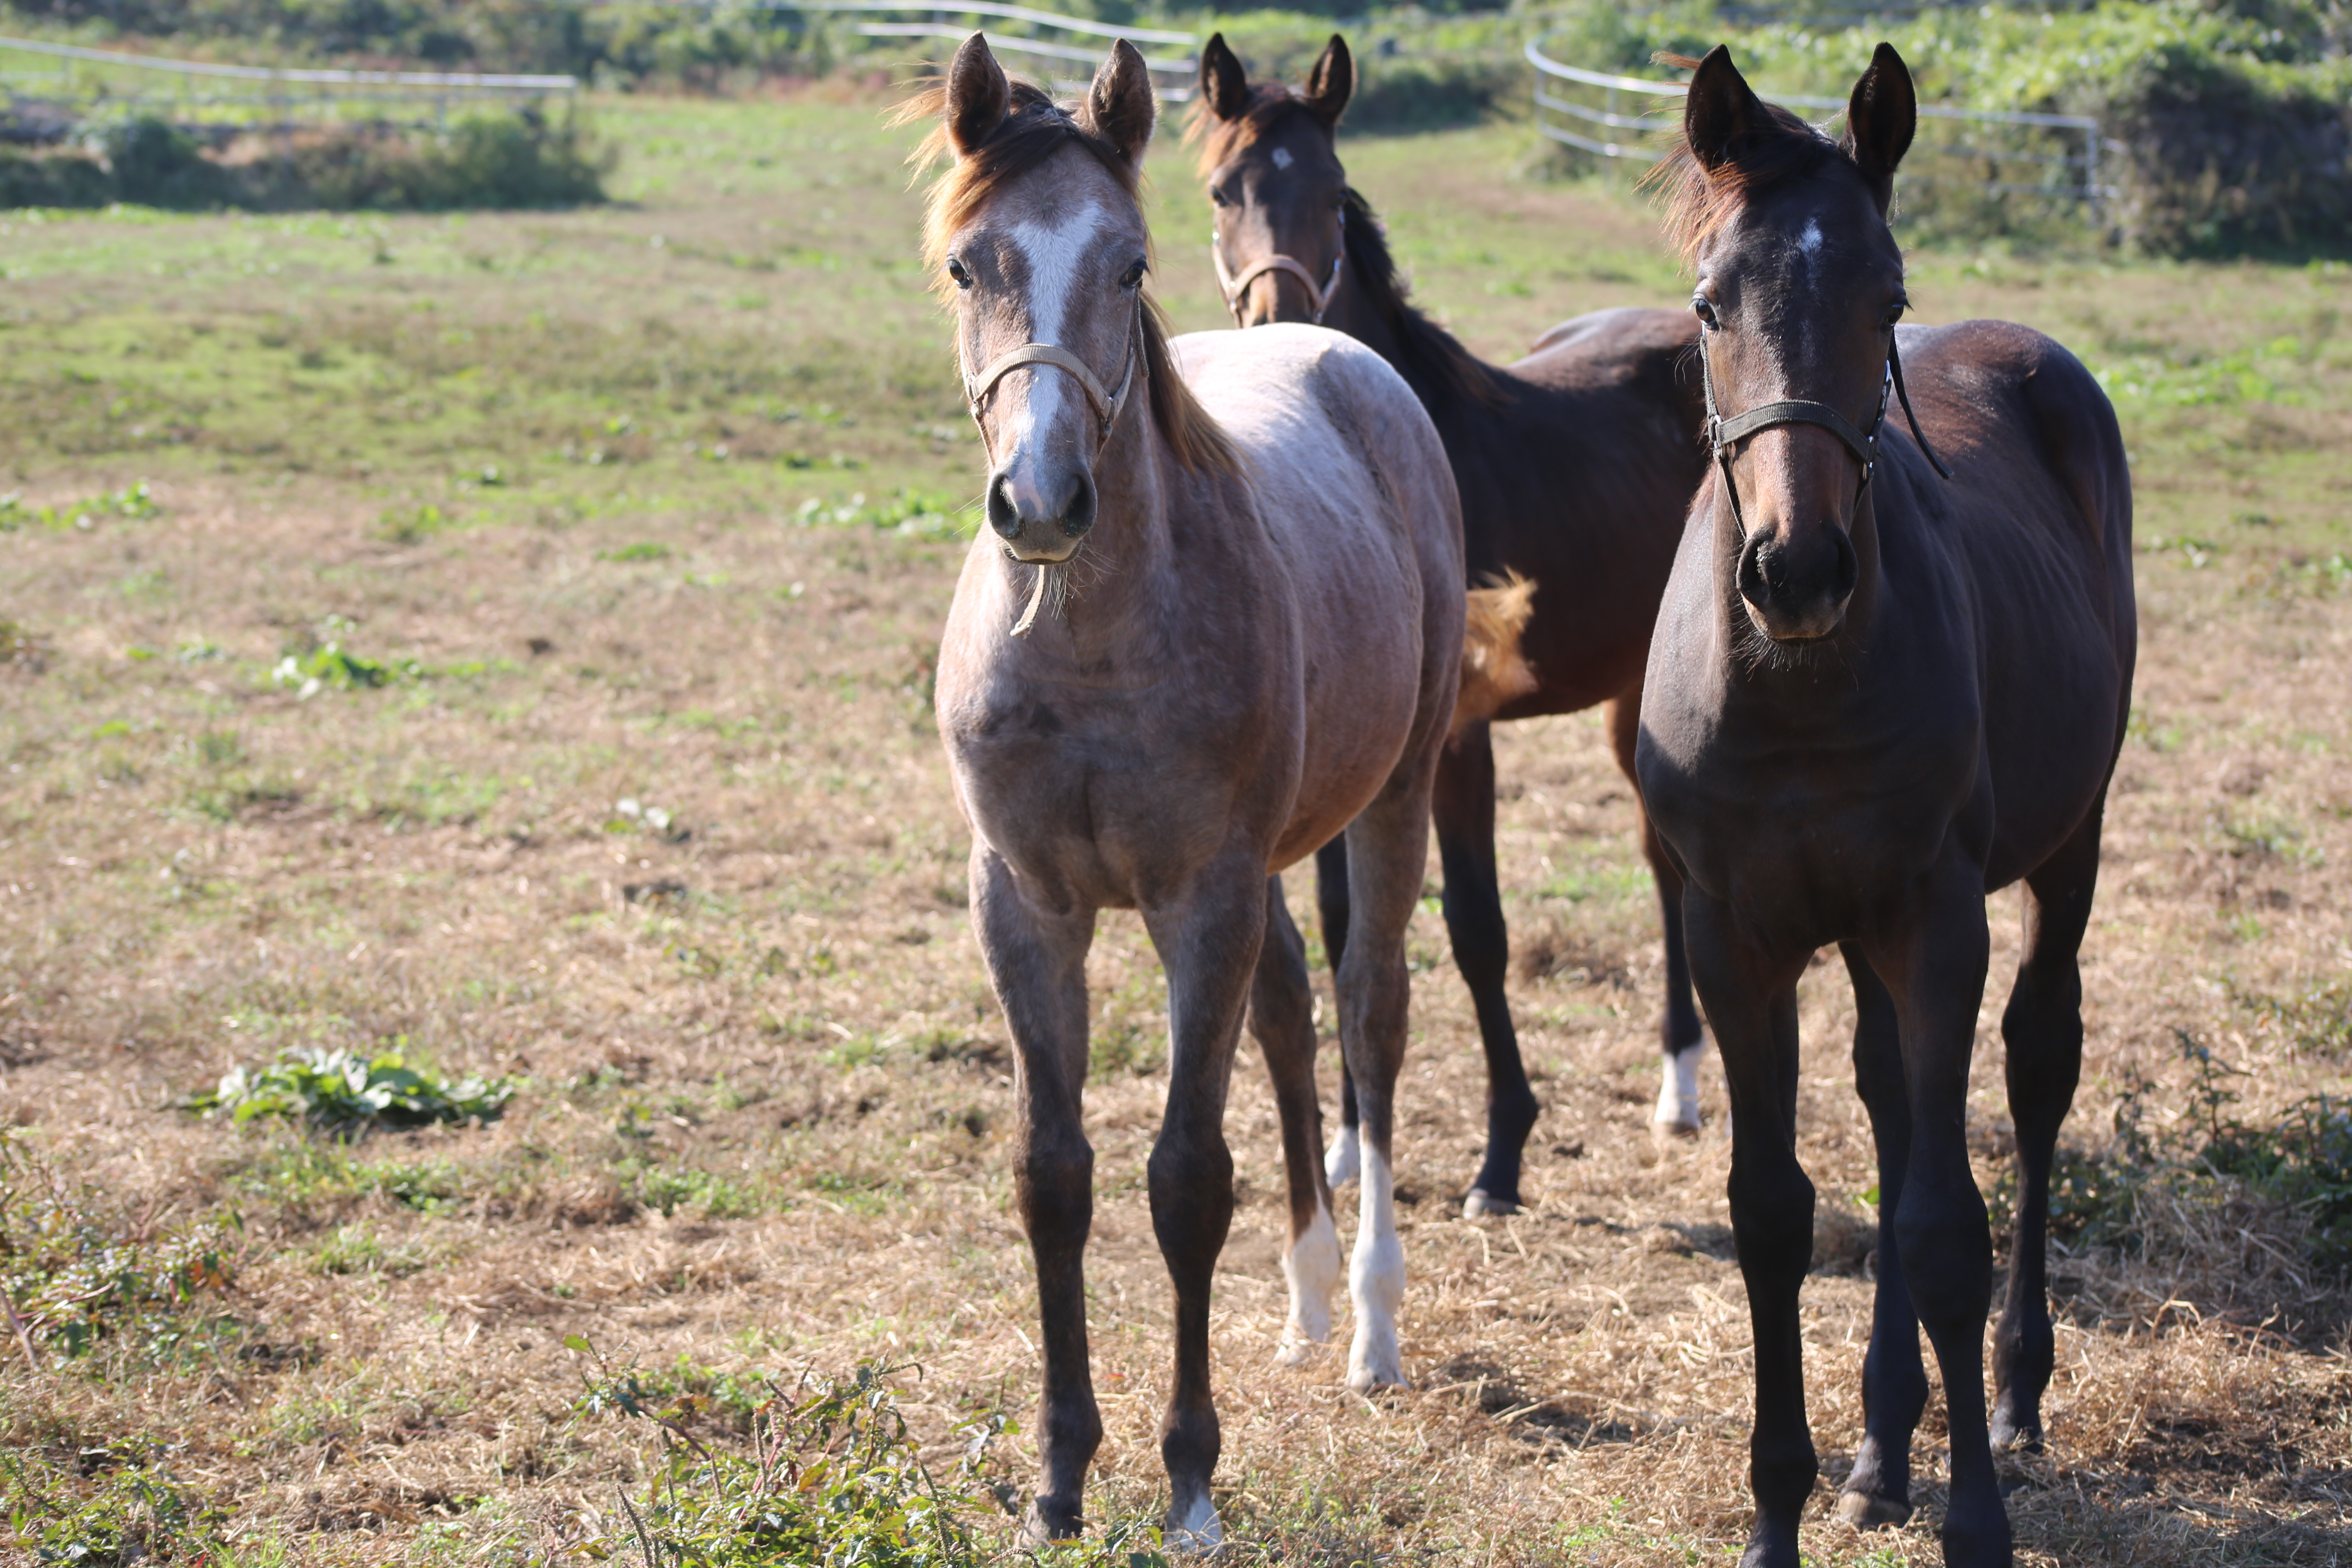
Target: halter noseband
{"points": [[1319, 295], [1106, 404], [1724, 433]]}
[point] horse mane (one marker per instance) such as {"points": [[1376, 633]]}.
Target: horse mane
{"points": [[1431, 359], [1033, 130], [1700, 201]]}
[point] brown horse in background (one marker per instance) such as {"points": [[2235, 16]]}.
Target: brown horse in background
{"points": [[1875, 696], [1209, 627], [1576, 466]]}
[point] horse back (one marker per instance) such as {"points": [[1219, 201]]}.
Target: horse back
{"points": [[1364, 522], [1577, 476]]}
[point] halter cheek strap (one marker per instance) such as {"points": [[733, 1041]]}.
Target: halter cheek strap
{"points": [[1106, 404], [1319, 295], [1724, 434]]}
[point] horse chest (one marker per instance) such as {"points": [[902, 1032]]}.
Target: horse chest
{"points": [[1810, 840], [1103, 791]]}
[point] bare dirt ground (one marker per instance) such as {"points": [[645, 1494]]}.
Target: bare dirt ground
{"points": [[765, 1097]]}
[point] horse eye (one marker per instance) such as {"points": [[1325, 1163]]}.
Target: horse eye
{"points": [[1705, 310], [1217, 194], [1132, 277], [957, 270], [1894, 311]]}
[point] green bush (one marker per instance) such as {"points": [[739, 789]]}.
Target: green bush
{"points": [[503, 160]]}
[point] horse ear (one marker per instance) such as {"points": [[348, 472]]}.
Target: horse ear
{"points": [[1721, 110], [1880, 120], [1225, 86], [979, 96], [1121, 107], [1332, 81]]}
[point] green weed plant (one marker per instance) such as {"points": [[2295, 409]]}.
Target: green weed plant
{"points": [[345, 1092], [825, 1473]]}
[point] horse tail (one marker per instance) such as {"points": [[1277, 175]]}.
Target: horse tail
{"points": [[1495, 668]]}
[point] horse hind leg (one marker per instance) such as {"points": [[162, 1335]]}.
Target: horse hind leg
{"points": [[1331, 907], [2041, 1029], [1282, 1018], [1387, 853], [1681, 1035], [1462, 806], [1893, 1380]]}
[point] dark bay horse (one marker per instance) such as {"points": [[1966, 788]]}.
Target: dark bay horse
{"points": [[1876, 695], [1216, 620], [1575, 465]]}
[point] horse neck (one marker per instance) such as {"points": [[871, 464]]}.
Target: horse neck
{"points": [[1390, 325]]}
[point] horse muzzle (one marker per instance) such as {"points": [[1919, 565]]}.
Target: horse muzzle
{"points": [[1797, 589], [1042, 513]]}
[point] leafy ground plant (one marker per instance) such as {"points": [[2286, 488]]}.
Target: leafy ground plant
{"points": [[346, 1093], [72, 1270], [831, 1478]]}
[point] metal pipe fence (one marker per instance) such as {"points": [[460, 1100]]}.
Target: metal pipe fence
{"points": [[2069, 146], [257, 98]]}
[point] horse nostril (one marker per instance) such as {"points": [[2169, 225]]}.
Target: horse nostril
{"points": [[1755, 584], [1847, 571], [1003, 515], [1078, 517]]}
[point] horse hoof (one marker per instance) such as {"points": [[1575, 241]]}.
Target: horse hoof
{"points": [[1198, 1533], [1038, 1532], [2009, 1436], [1295, 1350], [1674, 1134], [1864, 1512], [1481, 1203], [1366, 1375]]}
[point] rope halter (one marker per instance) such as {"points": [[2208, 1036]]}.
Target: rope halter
{"points": [[1237, 290]]}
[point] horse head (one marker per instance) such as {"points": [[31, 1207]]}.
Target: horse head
{"points": [[1798, 286], [1275, 186]]}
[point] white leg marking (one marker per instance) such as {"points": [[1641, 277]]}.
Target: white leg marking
{"points": [[1313, 1267], [1679, 1094], [1376, 1281], [1196, 1532], [1339, 1165], [1053, 253]]}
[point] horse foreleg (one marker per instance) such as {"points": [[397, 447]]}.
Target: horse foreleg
{"points": [[1751, 1001], [2041, 1029], [1036, 963], [1680, 1035], [1894, 1382], [1208, 941], [1282, 1017], [1331, 907], [1464, 808], [1933, 964]]}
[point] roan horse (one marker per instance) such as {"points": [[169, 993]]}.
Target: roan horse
{"points": [[1575, 465], [1197, 640], [1876, 695]]}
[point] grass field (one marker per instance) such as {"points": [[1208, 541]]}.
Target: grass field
{"points": [[457, 534]]}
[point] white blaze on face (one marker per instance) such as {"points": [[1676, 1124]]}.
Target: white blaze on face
{"points": [[1051, 253], [1282, 158], [1375, 1280], [1809, 251]]}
